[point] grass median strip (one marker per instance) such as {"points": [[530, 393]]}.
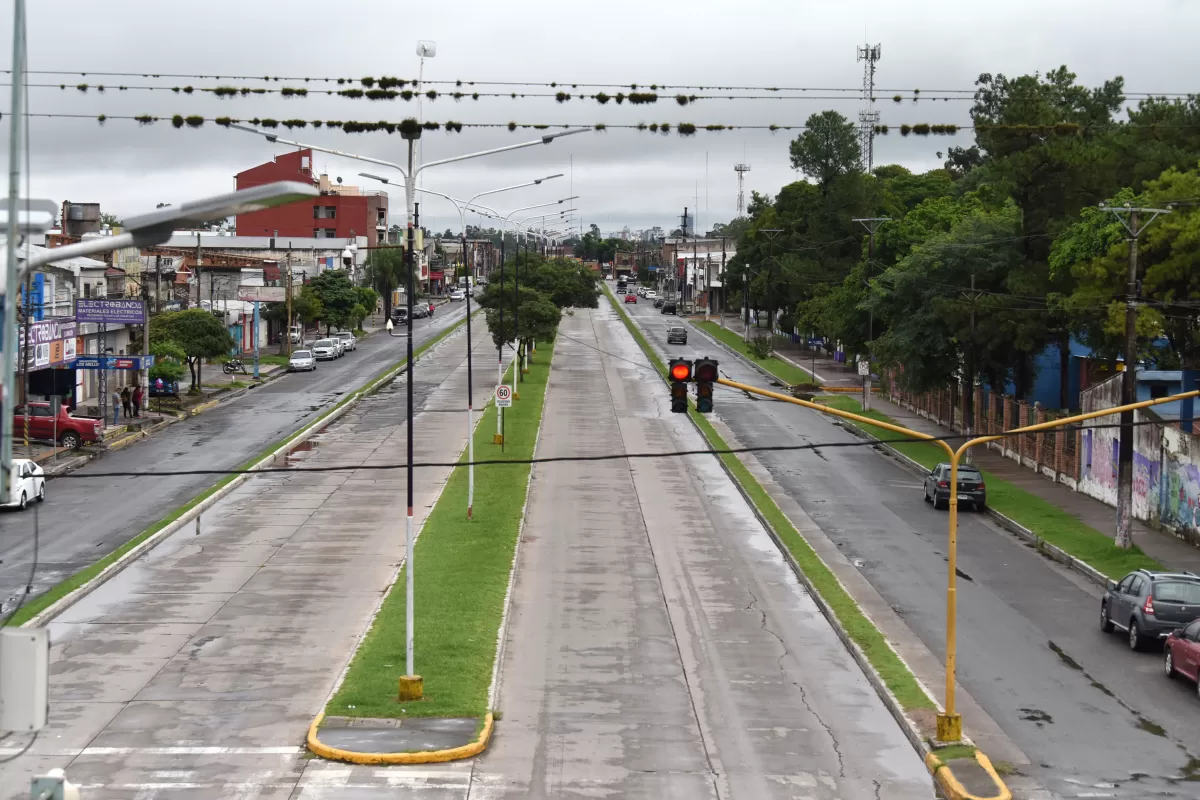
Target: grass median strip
{"points": [[895, 675], [1045, 519], [60, 590], [462, 570], [788, 373]]}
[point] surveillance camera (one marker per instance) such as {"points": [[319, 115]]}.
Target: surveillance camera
{"points": [[339, 180]]}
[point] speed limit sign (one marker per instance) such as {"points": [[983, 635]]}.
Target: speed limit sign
{"points": [[503, 396]]}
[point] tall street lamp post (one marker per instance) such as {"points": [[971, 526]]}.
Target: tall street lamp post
{"points": [[462, 207], [411, 687]]}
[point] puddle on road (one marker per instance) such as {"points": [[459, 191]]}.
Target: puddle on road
{"points": [[1036, 715], [299, 452]]}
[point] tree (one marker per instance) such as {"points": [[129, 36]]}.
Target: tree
{"points": [[385, 273], [306, 306], [368, 298], [827, 148], [110, 220], [169, 359], [337, 295], [197, 333]]}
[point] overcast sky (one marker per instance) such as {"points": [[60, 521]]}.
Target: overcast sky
{"points": [[623, 177]]}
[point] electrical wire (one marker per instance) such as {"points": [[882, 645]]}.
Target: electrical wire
{"points": [[23, 750]]}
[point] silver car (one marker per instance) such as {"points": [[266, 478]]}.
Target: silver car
{"points": [[325, 349], [347, 339], [302, 360]]}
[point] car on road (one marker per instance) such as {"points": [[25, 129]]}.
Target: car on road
{"points": [[347, 339], [668, 308], [325, 349], [650, 294], [302, 360], [676, 335], [26, 482], [458, 295], [631, 298], [971, 488], [399, 315], [1149, 605], [1182, 653], [67, 429], [660, 302], [338, 345]]}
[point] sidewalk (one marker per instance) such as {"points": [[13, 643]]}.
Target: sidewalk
{"points": [[1168, 550]]}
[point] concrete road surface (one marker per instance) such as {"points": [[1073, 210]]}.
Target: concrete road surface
{"points": [[659, 646], [196, 672], [1088, 717], [83, 520]]}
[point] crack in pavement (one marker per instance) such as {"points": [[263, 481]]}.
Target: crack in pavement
{"points": [[803, 694]]}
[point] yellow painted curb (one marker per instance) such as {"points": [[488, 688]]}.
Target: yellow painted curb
{"points": [[200, 409], [954, 790], [420, 757]]}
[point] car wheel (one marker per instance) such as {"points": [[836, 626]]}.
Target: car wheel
{"points": [[941, 505], [981, 507], [41, 496], [925, 493], [1135, 636], [70, 440], [24, 501], [1169, 664], [1105, 623]]}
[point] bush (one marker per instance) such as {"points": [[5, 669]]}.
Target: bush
{"points": [[760, 347]]}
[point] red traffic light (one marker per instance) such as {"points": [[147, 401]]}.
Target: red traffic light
{"points": [[681, 370], [706, 370]]}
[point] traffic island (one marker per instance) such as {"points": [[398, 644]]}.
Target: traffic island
{"points": [[463, 573], [965, 774]]}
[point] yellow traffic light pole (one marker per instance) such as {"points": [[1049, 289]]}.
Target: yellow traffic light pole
{"points": [[949, 722]]}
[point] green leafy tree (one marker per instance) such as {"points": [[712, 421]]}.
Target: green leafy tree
{"points": [[385, 271], [197, 333], [827, 149], [169, 360], [337, 295]]}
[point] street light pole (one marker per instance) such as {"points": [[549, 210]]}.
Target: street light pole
{"points": [[462, 207]]}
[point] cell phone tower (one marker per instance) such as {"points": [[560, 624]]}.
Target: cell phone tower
{"points": [[868, 118], [741, 170]]}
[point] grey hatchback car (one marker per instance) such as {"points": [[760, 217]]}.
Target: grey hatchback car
{"points": [[676, 335], [1149, 605], [971, 488]]}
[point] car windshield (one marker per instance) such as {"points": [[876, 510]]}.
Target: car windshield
{"points": [[676, 330], [969, 474], [1184, 592], [302, 354], [324, 343]]}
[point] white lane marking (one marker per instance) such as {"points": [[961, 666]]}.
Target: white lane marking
{"points": [[167, 751]]}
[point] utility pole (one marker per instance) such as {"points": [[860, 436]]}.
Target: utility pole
{"points": [[157, 283], [287, 333], [198, 270], [872, 224], [969, 388], [721, 310], [771, 234], [1131, 220]]}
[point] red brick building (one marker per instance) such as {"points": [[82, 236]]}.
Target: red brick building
{"points": [[340, 212]]}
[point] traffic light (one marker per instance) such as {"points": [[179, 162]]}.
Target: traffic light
{"points": [[704, 373], [681, 373]]}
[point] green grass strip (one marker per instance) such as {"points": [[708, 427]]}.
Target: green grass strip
{"points": [[40, 603], [895, 675], [786, 372], [1045, 519], [462, 570]]}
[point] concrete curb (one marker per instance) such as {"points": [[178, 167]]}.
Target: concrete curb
{"points": [[416, 757], [953, 788], [1053, 552], [941, 772], [128, 557]]}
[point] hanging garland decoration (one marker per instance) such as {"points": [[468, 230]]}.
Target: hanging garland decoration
{"points": [[390, 82], [354, 93], [451, 126]]}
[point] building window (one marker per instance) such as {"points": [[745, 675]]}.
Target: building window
{"points": [[324, 233], [324, 212]]}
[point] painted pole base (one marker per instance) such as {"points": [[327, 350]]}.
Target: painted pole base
{"points": [[525, 371], [497, 438], [949, 728], [516, 395], [412, 687]]}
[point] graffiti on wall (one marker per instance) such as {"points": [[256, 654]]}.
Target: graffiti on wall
{"points": [[1145, 486], [1181, 494]]}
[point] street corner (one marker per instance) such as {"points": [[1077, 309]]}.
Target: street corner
{"points": [[968, 777], [416, 740]]}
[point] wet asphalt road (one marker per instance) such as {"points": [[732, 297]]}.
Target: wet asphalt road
{"points": [[659, 646], [1092, 718], [82, 520]]}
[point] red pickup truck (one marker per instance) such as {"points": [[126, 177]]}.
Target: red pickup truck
{"points": [[69, 431]]}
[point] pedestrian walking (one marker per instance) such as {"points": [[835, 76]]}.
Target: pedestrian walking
{"points": [[126, 402], [137, 400], [116, 404]]}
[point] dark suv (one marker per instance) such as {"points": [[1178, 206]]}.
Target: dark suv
{"points": [[1149, 605]]}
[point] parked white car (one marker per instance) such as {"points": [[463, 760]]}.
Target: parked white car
{"points": [[302, 360], [458, 295], [325, 349], [27, 482], [650, 294], [347, 339]]}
